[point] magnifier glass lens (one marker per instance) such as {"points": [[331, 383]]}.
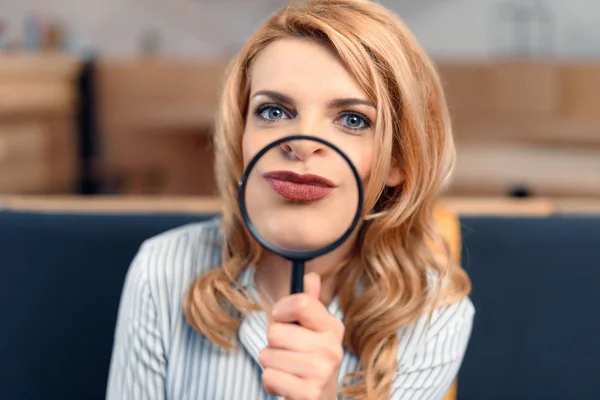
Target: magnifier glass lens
{"points": [[301, 195]]}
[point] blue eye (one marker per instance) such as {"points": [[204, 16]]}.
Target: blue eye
{"points": [[270, 113], [354, 121]]}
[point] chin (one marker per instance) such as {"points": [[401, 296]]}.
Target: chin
{"points": [[297, 232]]}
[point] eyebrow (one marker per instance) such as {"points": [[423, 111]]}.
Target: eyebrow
{"points": [[280, 97], [339, 103], [336, 103]]}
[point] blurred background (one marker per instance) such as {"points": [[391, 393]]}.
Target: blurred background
{"points": [[118, 96], [106, 110]]}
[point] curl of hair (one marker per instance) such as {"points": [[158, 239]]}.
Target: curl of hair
{"points": [[400, 244]]}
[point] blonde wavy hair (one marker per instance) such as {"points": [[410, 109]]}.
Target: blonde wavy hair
{"points": [[399, 244]]}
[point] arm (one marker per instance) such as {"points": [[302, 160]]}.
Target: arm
{"points": [[138, 365], [428, 372]]}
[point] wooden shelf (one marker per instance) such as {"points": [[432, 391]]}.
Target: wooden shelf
{"points": [[525, 123], [38, 66], [38, 138], [464, 206]]}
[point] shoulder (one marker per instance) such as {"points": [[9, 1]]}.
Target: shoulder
{"points": [[151, 302], [439, 337], [209, 229], [169, 262]]}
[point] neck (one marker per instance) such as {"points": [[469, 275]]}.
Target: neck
{"points": [[273, 274]]}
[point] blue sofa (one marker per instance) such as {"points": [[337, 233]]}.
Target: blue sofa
{"points": [[536, 288]]}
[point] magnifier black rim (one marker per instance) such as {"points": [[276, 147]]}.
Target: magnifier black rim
{"points": [[297, 255]]}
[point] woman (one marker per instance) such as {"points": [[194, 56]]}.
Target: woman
{"points": [[206, 313]]}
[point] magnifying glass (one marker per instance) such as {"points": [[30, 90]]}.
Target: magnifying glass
{"points": [[300, 197]]}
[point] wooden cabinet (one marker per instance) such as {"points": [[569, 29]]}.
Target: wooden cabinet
{"points": [[38, 133], [155, 118], [528, 126]]}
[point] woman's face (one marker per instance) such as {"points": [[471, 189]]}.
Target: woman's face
{"points": [[300, 87]]}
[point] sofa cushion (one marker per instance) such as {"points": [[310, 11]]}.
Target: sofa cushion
{"points": [[61, 276], [536, 288]]}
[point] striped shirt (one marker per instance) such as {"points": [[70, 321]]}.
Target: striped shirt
{"points": [[158, 355]]}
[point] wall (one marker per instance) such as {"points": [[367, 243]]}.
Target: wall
{"points": [[476, 28], [447, 28]]}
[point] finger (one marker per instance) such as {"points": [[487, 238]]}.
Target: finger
{"points": [[303, 365], [305, 310], [282, 384], [312, 285], [294, 338]]}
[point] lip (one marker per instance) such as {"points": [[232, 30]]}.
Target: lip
{"points": [[299, 187]]}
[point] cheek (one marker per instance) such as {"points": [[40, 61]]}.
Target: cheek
{"points": [[249, 146], [362, 155], [364, 160], [367, 164], [253, 141]]}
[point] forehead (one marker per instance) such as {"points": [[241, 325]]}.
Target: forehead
{"points": [[302, 66]]}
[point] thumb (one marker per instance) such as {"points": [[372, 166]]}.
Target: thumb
{"points": [[312, 285]]}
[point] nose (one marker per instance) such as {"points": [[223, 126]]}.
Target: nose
{"points": [[301, 149]]}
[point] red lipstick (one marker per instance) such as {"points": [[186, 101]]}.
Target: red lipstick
{"points": [[296, 187]]}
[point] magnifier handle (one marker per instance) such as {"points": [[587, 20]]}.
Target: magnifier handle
{"points": [[297, 277]]}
